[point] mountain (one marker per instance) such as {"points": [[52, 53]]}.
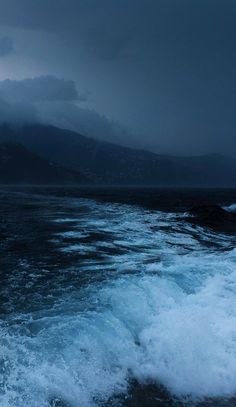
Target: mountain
{"points": [[108, 163], [18, 165]]}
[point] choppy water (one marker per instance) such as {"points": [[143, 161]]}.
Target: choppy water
{"points": [[104, 302]]}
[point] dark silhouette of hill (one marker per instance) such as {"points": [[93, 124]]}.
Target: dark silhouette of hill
{"points": [[107, 163], [18, 165]]}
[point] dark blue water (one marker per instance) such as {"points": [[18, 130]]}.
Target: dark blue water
{"points": [[116, 301]]}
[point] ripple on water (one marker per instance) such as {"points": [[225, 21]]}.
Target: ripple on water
{"points": [[166, 316]]}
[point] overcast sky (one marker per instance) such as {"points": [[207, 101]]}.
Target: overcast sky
{"points": [[158, 74]]}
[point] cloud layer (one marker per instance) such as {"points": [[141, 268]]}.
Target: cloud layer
{"points": [[163, 68], [39, 89], [49, 100], [6, 46]]}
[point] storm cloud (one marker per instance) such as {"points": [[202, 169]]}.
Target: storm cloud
{"points": [[49, 100], [164, 69], [6, 46], [39, 89]]}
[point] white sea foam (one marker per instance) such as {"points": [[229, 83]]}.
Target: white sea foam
{"points": [[230, 208], [171, 321], [72, 234], [144, 327]]}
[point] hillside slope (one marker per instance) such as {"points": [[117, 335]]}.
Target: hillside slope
{"points": [[18, 165], [108, 163]]}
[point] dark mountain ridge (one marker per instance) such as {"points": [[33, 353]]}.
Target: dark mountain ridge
{"points": [[107, 163], [20, 166]]}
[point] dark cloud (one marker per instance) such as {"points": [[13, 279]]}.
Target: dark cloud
{"points": [[6, 46], [51, 100], [163, 68], [39, 89], [85, 121], [110, 46], [104, 31], [198, 27]]}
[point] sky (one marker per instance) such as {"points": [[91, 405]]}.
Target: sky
{"points": [[154, 74]]}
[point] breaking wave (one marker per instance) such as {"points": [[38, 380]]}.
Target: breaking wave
{"points": [[230, 208], [172, 323]]}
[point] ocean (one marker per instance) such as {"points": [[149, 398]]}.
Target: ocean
{"points": [[112, 297]]}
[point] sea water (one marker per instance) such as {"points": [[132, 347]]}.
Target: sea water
{"points": [[98, 295]]}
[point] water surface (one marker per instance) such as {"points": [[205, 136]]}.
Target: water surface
{"points": [[105, 303]]}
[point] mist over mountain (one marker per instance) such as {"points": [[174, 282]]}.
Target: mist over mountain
{"points": [[49, 100], [107, 163]]}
